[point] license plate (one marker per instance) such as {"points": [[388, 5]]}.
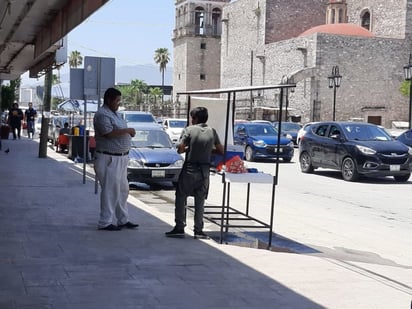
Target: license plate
{"points": [[158, 173], [394, 168]]}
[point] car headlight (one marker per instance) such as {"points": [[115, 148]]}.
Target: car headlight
{"points": [[178, 163], [291, 144], [410, 151], [259, 143], [133, 163], [366, 150]]}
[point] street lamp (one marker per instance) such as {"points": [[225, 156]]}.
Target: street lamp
{"points": [[407, 69], [334, 82]]}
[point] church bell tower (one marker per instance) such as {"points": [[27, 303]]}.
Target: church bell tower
{"points": [[196, 45], [336, 12]]}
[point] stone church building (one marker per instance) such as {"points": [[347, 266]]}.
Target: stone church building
{"points": [[222, 44]]}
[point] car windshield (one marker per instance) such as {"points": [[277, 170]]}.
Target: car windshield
{"points": [[177, 123], [366, 133], [139, 118], [151, 139], [288, 126], [254, 130]]}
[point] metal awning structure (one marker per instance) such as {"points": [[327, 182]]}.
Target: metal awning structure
{"points": [[31, 31], [225, 215]]}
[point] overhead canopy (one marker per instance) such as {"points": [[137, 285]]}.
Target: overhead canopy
{"points": [[77, 106], [32, 30]]}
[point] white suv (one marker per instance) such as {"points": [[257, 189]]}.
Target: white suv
{"points": [[174, 128]]}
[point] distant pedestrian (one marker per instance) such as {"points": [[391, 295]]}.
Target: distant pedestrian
{"points": [[113, 141], [14, 120], [30, 116], [65, 129], [198, 141]]}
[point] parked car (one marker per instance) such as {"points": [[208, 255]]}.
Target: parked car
{"points": [[398, 127], [37, 125], [355, 149], [174, 128], [56, 122], [302, 131], [289, 130], [137, 116], [406, 138], [153, 158], [260, 141]]}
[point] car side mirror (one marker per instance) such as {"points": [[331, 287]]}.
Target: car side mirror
{"points": [[335, 136]]}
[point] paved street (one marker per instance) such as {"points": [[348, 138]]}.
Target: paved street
{"points": [[52, 256]]}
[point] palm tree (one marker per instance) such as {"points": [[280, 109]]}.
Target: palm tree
{"points": [[138, 87], [75, 59], [154, 93], [162, 58]]}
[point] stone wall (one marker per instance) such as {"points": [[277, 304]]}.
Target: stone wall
{"points": [[287, 19], [372, 70], [388, 17]]}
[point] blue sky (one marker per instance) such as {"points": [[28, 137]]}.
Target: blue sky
{"points": [[128, 30]]}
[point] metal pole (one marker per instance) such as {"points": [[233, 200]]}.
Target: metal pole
{"points": [[334, 100], [410, 103]]}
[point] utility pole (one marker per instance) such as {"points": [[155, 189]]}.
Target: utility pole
{"points": [[45, 113]]}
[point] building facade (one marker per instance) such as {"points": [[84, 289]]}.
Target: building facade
{"points": [[265, 41], [196, 43]]}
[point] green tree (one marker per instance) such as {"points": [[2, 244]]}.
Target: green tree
{"points": [[154, 94], [7, 97], [139, 87], [10, 94], [162, 58], [405, 87], [75, 59]]}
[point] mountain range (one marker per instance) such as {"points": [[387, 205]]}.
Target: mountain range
{"points": [[149, 73]]}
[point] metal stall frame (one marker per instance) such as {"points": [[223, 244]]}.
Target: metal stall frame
{"points": [[226, 211]]}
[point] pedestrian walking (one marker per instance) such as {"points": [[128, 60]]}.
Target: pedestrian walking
{"points": [[14, 120], [197, 141], [113, 141], [30, 116]]}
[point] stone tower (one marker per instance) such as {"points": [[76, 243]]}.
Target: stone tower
{"points": [[336, 12], [196, 45]]}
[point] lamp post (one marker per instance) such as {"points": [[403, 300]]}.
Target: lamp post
{"points": [[407, 69], [334, 82]]}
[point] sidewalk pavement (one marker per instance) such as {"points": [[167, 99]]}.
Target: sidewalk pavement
{"points": [[53, 256]]}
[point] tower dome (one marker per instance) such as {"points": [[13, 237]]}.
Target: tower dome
{"points": [[339, 29]]}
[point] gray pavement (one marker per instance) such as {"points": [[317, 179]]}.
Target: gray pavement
{"points": [[52, 255]]}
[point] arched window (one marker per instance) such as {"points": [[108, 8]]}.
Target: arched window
{"points": [[216, 22], [340, 16], [366, 20], [199, 20], [333, 16]]}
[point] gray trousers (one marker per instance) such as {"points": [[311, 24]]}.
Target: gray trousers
{"points": [[193, 181], [111, 171]]}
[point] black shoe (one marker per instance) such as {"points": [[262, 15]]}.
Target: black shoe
{"points": [[128, 225], [110, 227], [201, 235], [177, 233]]}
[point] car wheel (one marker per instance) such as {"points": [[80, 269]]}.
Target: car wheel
{"points": [[306, 163], [402, 178], [349, 171], [249, 154]]}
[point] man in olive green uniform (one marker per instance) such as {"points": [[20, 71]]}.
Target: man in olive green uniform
{"points": [[198, 141]]}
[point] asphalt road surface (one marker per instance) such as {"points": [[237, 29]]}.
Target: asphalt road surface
{"points": [[367, 221]]}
